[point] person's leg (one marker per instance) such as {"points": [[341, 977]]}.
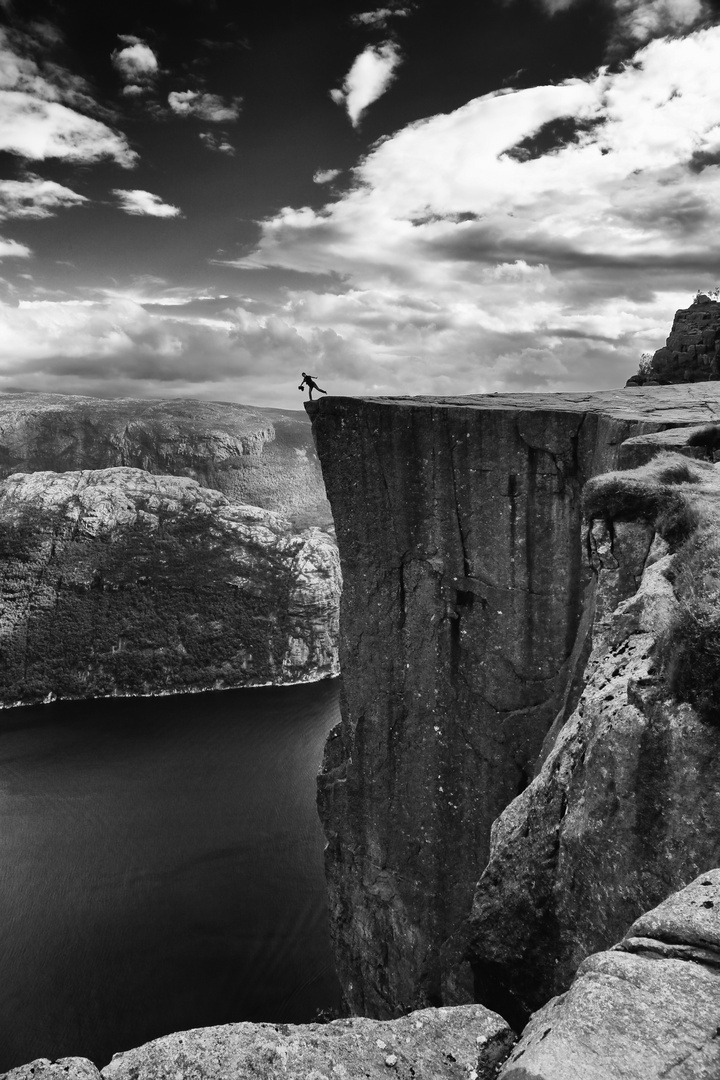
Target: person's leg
{"points": [[311, 390]]}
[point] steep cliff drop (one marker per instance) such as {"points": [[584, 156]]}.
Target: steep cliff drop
{"points": [[464, 631]]}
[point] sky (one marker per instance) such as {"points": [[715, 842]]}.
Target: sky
{"points": [[204, 198]]}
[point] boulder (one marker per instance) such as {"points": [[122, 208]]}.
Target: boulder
{"points": [[69, 1068], [646, 1010], [466, 1043]]}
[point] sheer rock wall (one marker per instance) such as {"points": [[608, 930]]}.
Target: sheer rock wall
{"points": [[464, 633]]}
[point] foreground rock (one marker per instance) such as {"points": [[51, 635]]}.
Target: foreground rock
{"points": [[115, 581], [467, 1044], [436, 1044], [262, 457], [626, 808], [646, 1010], [70, 1068], [465, 616]]}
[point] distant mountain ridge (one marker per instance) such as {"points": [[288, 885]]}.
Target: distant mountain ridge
{"points": [[260, 457], [160, 546]]}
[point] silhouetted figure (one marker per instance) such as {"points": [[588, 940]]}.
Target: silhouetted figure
{"points": [[309, 381]]}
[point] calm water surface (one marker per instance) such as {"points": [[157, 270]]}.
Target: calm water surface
{"points": [[160, 868]]}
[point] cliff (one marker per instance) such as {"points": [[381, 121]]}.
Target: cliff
{"points": [[261, 457], [692, 350], [627, 805], [115, 581], [466, 625]]}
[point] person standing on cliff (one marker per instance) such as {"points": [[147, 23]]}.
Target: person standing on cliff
{"points": [[311, 384]]}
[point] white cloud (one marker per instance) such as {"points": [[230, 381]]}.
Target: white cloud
{"points": [[324, 176], [38, 129], [209, 107], [642, 20], [218, 143], [543, 269], [145, 204], [11, 249], [38, 111], [117, 348], [35, 198], [136, 64], [379, 16], [371, 74], [639, 21]]}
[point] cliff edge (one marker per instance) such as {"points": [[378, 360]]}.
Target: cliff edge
{"points": [[466, 622]]}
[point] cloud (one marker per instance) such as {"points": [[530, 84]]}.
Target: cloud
{"points": [[371, 74], [118, 348], [639, 21], [324, 176], [11, 249], [35, 198], [562, 262], [218, 143], [39, 110], [209, 107], [145, 204], [136, 64], [642, 20], [379, 17]]}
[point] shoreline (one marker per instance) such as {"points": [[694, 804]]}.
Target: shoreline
{"points": [[52, 699]]}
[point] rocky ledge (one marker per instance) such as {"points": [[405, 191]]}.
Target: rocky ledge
{"points": [[116, 581]]}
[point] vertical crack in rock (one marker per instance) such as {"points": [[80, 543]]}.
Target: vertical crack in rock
{"points": [[466, 618]]}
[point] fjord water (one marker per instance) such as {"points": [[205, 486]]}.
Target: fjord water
{"points": [[160, 868]]}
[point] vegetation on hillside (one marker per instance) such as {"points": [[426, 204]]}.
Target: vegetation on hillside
{"points": [[150, 608], [680, 497]]}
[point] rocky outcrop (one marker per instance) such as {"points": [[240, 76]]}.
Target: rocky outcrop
{"points": [[645, 1010], [626, 807], [465, 618], [261, 457], [436, 1044], [692, 350], [115, 581]]}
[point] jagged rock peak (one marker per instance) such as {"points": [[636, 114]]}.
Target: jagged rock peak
{"points": [[692, 350]]}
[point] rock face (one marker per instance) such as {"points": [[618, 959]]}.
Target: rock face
{"points": [[430, 1045], [115, 581], [436, 1044], [465, 615], [626, 807], [646, 1010], [692, 350], [261, 457]]}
